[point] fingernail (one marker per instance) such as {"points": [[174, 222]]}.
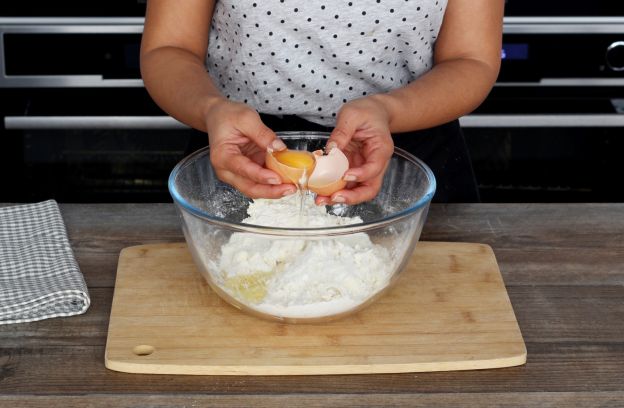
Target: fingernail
{"points": [[278, 145], [339, 199], [274, 181], [331, 145], [349, 177], [289, 192]]}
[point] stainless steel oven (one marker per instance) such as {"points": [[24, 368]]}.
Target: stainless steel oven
{"points": [[552, 129], [79, 125]]}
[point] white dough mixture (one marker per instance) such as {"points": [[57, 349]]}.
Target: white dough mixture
{"points": [[294, 277]]}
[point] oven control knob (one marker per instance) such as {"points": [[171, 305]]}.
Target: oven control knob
{"points": [[615, 56]]}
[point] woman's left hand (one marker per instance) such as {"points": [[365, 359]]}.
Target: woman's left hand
{"points": [[362, 132]]}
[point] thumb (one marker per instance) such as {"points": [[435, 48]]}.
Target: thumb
{"points": [[343, 131]]}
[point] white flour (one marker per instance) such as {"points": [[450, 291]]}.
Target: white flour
{"points": [[301, 278]]}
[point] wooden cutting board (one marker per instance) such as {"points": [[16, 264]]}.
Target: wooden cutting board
{"points": [[448, 311]]}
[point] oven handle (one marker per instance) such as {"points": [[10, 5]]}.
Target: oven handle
{"points": [[91, 122], [167, 122], [549, 121], [512, 25], [558, 82]]}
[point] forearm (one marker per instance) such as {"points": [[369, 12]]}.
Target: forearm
{"points": [[451, 89], [177, 80]]}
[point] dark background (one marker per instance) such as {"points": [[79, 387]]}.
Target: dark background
{"points": [[533, 164]]}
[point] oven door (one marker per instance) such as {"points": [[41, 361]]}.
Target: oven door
{"points": [[88, 131], [78, 124], [97, 145], [70, 52], [552, 129], [569, 151]]}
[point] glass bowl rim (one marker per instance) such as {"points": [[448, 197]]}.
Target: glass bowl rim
{"points": [[318, 231]]}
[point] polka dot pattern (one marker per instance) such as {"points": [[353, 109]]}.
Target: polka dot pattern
{"points": [[307, 58]]}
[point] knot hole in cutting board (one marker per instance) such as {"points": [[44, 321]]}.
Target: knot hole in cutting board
{"points": [[143, 350]]}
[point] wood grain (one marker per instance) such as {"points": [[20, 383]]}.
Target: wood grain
{"points": [[551, 367], [546, 244], [449, 311], [482, 400], [562, 264], [546, 314]]}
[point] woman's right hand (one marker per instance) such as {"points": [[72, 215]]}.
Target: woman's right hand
{"points": [[238, 144]]}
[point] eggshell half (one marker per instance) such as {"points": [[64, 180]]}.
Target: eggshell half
{"points": [[289, 175], [326, 178]]}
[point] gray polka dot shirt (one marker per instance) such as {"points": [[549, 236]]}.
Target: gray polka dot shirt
{"points": [[308, 57]]}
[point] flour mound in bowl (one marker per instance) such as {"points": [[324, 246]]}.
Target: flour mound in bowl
{"points": [[300, 278]]}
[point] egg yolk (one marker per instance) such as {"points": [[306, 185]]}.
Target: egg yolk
{"points": [[295, 158]]}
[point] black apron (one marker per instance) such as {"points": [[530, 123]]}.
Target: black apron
{"points": [[442, 148]]}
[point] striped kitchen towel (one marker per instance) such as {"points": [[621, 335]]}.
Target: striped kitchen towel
{"points": [[39, 277]]}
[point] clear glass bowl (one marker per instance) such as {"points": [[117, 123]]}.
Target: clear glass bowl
{"points": [[354, 264]]}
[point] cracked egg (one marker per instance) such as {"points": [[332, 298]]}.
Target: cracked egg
{"points": [[318, 172]]}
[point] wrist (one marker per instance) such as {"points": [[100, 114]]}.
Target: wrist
{"points": [[385, 103], [209, 103]]}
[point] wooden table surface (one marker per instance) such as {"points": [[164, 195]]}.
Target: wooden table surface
{"points": [[564, 270]]}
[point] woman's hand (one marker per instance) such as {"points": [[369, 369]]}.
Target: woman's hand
{"points": [[238, 144], [362, 132]]}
